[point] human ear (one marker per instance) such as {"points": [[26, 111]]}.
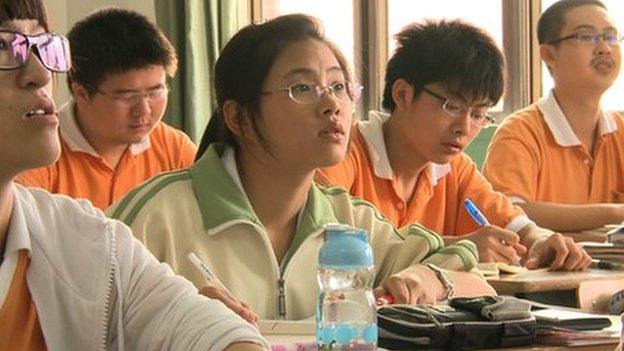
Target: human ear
{"points": [[547, 53], [402, 93], [79, 92], [234, 119]]}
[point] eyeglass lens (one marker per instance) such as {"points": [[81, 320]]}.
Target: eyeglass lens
{"points": [[52, 50], [307, 93]]}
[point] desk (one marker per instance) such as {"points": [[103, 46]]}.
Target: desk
{"points": [[276, 333], [291, 339], [510, 284]]}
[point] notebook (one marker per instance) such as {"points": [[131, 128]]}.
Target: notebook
{"points": [[572, 320], [493, 269]]}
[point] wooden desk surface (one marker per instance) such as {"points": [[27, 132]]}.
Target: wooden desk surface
{"points": [[291, 339], [509, 284]]}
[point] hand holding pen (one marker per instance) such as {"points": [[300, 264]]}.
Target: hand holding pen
{"points": [[495, 244], [216, 290]]}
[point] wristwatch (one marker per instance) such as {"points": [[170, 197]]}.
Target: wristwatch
{"points": [[445, 278]]}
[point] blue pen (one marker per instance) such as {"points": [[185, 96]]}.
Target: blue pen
{"points": [[476, 215], [480, 219]]}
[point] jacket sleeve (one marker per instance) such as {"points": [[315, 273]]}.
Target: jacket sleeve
{"points": [[162, 311], [396, 249]]}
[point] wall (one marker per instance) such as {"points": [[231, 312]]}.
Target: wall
{"points": [[64, 13]]}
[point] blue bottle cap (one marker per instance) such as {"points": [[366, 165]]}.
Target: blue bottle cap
{"points": [[345, 248]]}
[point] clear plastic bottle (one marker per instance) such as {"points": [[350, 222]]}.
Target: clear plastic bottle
{"points": [[346, 315]]}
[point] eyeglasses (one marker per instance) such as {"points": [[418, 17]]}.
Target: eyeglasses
{"points": [[308, 93], [131, 98], [51, 49], [612, 38], [478, 117]]}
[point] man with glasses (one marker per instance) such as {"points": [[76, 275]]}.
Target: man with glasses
{"points": [[568, 154], [440, 83], [111, 131]]}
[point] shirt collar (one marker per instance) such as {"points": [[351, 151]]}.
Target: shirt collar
{"points": [[228, 158], [221, 198], [77, 142], [17, 237], [560, 127], [372, 132]]}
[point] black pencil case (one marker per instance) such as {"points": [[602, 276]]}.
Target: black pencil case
{"points": [[407, 327]]}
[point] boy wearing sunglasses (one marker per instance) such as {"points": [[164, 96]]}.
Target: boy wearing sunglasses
{"points": [[440, 83], [567, 171], [112, 136], [70, 278]]}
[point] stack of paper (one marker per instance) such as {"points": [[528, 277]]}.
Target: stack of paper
{"points": [[616, 236], [574, 328], [604, 251], [566, 337]]}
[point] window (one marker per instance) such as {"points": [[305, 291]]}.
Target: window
{"points": [[337, 28], [612, 99], [486, 14]]}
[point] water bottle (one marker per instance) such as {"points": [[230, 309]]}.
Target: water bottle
{"points": [[346, 315]]}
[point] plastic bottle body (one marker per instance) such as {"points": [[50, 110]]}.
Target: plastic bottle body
{"points": [[346, 313]]}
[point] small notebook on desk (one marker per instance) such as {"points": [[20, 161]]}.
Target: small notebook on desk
{"points": [[572, 320], [494, 269]]}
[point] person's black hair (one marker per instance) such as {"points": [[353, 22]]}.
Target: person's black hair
{"points": [[458, 55], [24, 9], [113, 40], [552, 20]]}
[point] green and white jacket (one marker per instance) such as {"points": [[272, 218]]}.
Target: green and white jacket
{"points": [[204, 210]]}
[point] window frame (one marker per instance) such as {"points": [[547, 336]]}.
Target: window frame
{"points": [[371, 36]]}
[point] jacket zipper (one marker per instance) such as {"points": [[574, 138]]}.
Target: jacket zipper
{"points": [[109, 292], [281, 282], [281, 288], [281, 298]]}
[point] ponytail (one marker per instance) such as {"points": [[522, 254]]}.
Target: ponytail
{"points": [[216, 132]]}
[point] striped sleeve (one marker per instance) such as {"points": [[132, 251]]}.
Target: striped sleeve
{"points": [[128, 207], [396, 249]]}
